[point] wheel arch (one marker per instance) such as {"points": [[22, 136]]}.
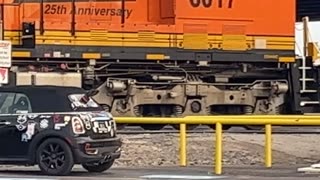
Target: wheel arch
{"points": [[40, 138]]}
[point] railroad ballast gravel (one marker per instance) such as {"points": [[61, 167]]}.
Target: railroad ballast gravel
{"points": [[147, 150]]}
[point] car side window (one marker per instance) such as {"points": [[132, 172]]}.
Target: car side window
{"points": [[21, 104], [12, 103], [6, 101]]}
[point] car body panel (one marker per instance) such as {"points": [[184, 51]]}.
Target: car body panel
{"points": [[23, 130]]}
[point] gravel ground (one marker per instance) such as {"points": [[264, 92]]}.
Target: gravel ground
{"points": [[239, 149]]}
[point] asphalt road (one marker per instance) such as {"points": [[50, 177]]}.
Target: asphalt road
{"points": [[172, 173]]}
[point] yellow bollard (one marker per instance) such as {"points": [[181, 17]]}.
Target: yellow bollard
{"points": [[183, 145], [218, 154], [268, 145]]}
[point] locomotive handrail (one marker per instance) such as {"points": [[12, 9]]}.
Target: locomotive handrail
{"points": [[219, 121]]}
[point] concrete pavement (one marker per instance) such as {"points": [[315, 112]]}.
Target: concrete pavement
{"points": [[172, 173]]}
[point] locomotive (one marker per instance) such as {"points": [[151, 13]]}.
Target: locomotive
{"points": [[164, 58]]}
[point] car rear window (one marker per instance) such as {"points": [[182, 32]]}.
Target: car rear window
{"points": [[81, 102]]}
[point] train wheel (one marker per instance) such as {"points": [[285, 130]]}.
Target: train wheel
{"points": [[152, 127], [189, 126]]}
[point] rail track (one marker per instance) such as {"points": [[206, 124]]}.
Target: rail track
{"points": [[233, 130]]}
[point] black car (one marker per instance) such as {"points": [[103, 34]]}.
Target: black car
{"points": [[56, 127]]}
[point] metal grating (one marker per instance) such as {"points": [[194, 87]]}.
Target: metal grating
{"points": [[309, 8]]}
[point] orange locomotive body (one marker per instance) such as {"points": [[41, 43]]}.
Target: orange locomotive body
{"points": [[160, 57], [214, 24]]}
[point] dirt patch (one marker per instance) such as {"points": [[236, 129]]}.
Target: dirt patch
{"points": [[163, 150]]}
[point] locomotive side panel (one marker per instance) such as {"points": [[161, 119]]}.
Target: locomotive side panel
{"points": [[261, 18], [222, 25], [90, 23], [89, 14], [238, 25]]}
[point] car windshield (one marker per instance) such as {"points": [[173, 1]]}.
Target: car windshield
{"points": [[82, 102]]}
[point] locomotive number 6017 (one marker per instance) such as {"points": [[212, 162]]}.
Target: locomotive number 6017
{"points": [[208, 3]]}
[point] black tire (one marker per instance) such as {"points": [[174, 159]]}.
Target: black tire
{"points": [[55, 152], [98, 168]]}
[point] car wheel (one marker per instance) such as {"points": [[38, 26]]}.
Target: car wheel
{"points": [[55, 157], [98, 167]]}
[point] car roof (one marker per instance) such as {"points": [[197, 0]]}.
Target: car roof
{"points": [[46, 98], [42, 88]]}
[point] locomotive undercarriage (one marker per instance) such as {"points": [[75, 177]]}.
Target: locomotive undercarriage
{"points": [[176, 90], [190, 90], [127, 98]]}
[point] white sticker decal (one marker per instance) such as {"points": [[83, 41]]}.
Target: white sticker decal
{"points": [[29, 133], [67, 119], [87, 124], [45, 116], [44, 123], [31, 129], [32, 116], [21, 127], [86, 116], [86, 119], [22, 119], [76, 122], [100, 127], [112, 132], [24, 137], [58, 126]]}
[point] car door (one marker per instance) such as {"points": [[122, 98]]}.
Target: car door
{"points": [[6, 123], [14, 125]]}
